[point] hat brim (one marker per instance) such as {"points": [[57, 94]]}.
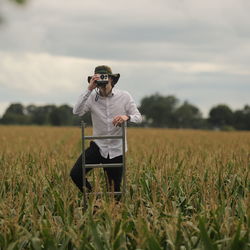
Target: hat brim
{"points": [[115, 77]]}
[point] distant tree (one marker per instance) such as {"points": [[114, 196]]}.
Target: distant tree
{"points": [[188, 116], [241, 118], [14, 114], [16, 108], [61, 115], [246, 112], [40, 115], [159, 111], [31, 111], [220, 116]]}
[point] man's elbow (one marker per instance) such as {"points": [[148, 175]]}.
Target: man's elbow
{"points": [[76, 112], [140, 118], [137, 119]]}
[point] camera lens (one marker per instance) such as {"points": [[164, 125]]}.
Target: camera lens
{"points": [[102, 76]]}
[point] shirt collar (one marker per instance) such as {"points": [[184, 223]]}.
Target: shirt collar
{"points": [[113, 92]]}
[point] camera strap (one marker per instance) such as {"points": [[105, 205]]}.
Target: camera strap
{"points": [[97, 95]]}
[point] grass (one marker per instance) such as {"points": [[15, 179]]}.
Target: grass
{"points": [[186, 190]]}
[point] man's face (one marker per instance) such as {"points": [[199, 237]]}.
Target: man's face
{"points": [[106, 89]]}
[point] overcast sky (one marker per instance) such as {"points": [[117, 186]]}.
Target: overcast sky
{"points": [[197, 50]]}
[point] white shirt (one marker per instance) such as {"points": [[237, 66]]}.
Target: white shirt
{"points": [[103, 110]]}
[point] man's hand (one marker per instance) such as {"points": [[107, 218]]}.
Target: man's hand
{"points": [[118, 120], [92, 83]]}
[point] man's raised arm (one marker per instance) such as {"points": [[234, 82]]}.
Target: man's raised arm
{"points": [[82, 106]]}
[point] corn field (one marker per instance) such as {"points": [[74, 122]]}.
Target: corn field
{"points": [[186, 189]]}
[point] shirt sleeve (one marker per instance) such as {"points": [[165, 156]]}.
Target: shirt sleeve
{"points": [[132, 110], [82, 105]]}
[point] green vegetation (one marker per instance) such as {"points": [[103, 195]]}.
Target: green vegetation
{"points": [[158, 111], [186, 190]]}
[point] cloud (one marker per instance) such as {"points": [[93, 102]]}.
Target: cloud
{"points": [[144, 30], [38, 73], [41, 78], [197, 50]]}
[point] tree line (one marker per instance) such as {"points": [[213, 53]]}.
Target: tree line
{"points": [[157, 110]]}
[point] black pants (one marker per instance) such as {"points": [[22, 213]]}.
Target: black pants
{"points": [[93, 156]]}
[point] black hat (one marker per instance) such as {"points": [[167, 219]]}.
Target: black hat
{"points": [[103, 69]]}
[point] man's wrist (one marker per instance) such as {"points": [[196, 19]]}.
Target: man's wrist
{"points": [[128, 117]]}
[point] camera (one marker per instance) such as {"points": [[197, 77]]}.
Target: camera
{"points": [[103, 80]]}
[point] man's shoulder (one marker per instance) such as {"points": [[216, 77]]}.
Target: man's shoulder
{"points": [[121, 92], [92, 94]]}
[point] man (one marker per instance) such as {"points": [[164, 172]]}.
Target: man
{"points": [[109, 108]]}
